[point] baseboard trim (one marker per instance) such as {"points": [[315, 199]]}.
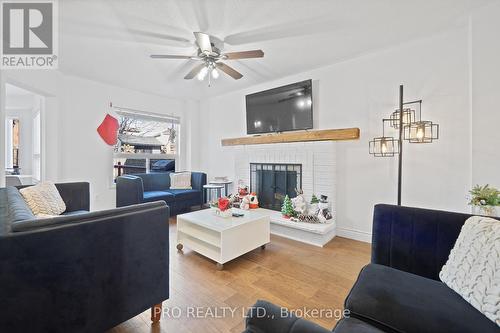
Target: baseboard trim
{"points": [[358, 235]]}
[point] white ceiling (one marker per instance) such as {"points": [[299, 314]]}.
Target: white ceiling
{"points": [[111, 40]]}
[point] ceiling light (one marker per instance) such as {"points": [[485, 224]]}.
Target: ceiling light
{"points": [[215, 73], [301, 103], [203, 72]]}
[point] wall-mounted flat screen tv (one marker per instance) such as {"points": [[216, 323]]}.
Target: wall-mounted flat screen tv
{"points": [[286, 108]]}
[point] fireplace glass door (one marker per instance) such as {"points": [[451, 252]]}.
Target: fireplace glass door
{"points": [[273, 181]]}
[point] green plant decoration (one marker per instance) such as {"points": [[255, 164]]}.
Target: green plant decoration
{"points": [[287, 207], [484, 196], [314, 199]]}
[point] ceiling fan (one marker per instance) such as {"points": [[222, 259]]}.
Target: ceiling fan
{"points": [[211, 58]]}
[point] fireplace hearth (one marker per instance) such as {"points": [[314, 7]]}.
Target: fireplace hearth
{"points": [[273, 181]]}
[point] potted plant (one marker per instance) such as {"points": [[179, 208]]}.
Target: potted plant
{"points": [[222, 207], [485, 200]]}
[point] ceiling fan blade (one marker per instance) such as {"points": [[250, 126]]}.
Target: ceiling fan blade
{"points": [[229, 70], [244, 54], [203, 41], [170, 56], [194, 71]]}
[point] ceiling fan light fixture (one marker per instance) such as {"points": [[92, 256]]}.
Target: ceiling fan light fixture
{"points": [[210, 53], [215, 73], [203, 72]]}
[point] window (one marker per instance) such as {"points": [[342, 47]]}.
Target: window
{"points": [[146, 143]]}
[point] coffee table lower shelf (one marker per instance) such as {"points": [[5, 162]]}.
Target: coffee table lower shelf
{"points": [[222, 239]]}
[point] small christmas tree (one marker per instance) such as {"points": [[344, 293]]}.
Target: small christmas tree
{"points": [[314, 199], [287, 207]]}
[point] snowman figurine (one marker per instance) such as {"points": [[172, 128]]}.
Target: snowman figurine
{"points": [[254, 202], [245, 203], [324, 213]]}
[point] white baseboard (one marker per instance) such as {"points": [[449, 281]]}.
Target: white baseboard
{"points": [[358, 235]]}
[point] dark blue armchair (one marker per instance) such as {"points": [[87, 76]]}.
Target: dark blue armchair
{"points": [[399, 291], [149, 187]]}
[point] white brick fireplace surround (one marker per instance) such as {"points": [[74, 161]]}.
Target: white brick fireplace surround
{"points": [[318, 161]]}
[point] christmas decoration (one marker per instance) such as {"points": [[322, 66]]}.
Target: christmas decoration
{"points": [[307, 218], [108, 130], [245, 203], [299, 202], [223, 204], [222, 207], [239, 197], [242, 189], [324, 213], [313, 206], [314, 199], [254, 202], [287, 208]]}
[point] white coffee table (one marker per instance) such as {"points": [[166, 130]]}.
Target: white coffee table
{"points": [[223, 239]]}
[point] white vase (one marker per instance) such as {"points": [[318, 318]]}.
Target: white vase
{"points": [[486, 210]]}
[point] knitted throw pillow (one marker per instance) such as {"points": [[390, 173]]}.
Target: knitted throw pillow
{"points": [[180, 181], [43, 199], [473, 267]]}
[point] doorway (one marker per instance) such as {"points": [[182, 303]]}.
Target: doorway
{"points": [[23, 136]]}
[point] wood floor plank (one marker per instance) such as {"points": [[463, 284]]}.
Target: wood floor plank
{"points": [[287, 273]]}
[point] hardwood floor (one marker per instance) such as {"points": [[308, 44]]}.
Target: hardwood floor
{"points": [[287, 273]]}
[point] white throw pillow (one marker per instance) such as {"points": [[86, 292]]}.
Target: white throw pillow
{"points": [[473, 267], [43, 199], [180, 180]]}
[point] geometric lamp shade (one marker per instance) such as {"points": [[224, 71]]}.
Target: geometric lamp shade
{"points": [[421, 132], [385, 146], [108, 130], [408, 117]]}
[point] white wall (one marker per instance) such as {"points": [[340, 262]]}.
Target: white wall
{"points": [[485, 86], [75, 108], [359, 93]]}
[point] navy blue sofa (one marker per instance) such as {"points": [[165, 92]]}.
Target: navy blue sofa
{"points": [[148, 187], [82, 271], [399, 291]]}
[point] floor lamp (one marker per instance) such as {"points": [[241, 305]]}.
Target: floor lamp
{"points": [[409, 128]]}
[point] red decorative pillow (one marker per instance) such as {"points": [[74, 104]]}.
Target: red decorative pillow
{"points": [[108, 130]]}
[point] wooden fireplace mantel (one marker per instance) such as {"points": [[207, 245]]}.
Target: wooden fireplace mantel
{"points": [[302, 136]]}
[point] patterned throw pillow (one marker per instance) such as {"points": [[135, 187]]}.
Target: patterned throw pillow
{"points": [[180, 180], [473, 267], [43, 199]]}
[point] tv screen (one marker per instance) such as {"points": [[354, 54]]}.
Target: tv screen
{"points": [[280, 109]]}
